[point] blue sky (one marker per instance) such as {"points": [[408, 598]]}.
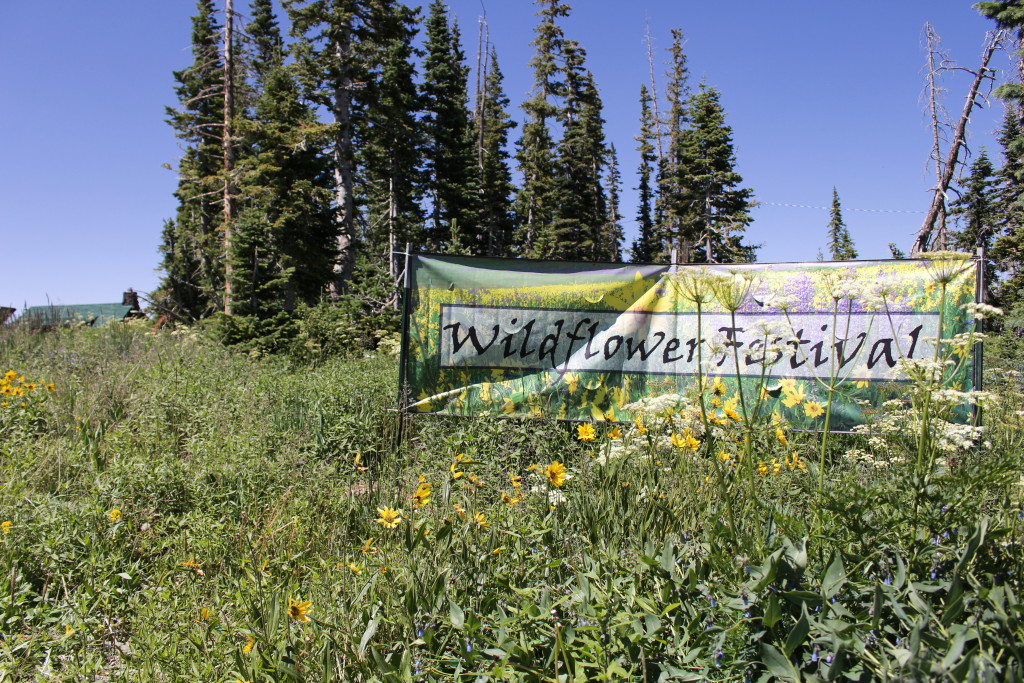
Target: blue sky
{"points": [[819, 94]]}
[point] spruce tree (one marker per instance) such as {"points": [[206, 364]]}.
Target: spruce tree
{"points": [[389, 138], [192, 247], [581, 205], [450, 152], [840, 244], [975, 215], [284, 246], [645, 247], [493, 125], [611, 236], [536, 200], [672, 166], [332, 56], [711, 207]]}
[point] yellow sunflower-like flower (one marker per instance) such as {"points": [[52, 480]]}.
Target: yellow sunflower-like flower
{"points": [[422, 495], [6, 526], [729, 408], [299, 610], [686, 440], [794, 397], [388, 517], [640, 427], [780, 434], [586, 432], [368, 547], [114, 514], [556, 474], [615, 433], [813, 409], [249, 645], [355, 568], [480, 520], [718, 388], [508, 500]]}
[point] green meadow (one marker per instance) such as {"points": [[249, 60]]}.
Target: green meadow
{"points": [[173, 510]]}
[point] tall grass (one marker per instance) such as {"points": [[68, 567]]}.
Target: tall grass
{"points": [[181, 512]]}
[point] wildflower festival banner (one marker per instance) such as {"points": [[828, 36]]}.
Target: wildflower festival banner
{"points": [[575, 341]]}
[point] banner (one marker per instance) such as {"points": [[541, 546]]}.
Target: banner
{"points": [[579, 341]]}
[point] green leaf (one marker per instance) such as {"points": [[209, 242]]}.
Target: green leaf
{"points": [[457, 615], [371, 628], [835, 577], [778, 664], [797, 634]]}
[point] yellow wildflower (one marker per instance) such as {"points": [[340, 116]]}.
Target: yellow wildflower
{"points": [[686, 440], [762, 468], [389, 518], [861, 384], [729, 408], [516, 480], [718, 388], [615, 433], [508, 500], [776, 466], [794, 397], [813, 409], [556, 473], [249, 644], [585, 432], [480, 520], [299, 610], [368, 547], [422, 495], [455, 473], [51, 387], [459, 510], [640, 425], [10, 375], [114, 514], [68, 630], [6, 526], [356, 569], [780, 434]]}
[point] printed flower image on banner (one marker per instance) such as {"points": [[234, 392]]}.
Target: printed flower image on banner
{"points": [[572, 341]]}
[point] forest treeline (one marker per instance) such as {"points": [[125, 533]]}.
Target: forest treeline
{"points": [[323, 136]]}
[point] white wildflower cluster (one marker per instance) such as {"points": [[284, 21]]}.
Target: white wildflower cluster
{"points": [[980, 311], [662, 405], [923, 371], [954, 397], [783, 302], [953, 438], [877, 461], [614, 450]]}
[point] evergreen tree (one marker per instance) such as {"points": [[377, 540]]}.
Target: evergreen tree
{"points": [[975, 214], [581, 205], [389, 138], [711, 207], [840, 244], [536, 200], [333, 59], [1008, 246], [611, 236], [192, 247], [284, 246], [492, 129], [450, 153], [671, 168], [895, 252], [645, 247]]}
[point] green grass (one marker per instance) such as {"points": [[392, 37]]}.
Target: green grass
{"points": [[240, 493]]}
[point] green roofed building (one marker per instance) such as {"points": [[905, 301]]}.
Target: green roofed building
{"points": [[93, 315]]}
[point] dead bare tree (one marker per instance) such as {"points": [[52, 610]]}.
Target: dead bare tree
{"points": [[228, 146], [946, 168]]}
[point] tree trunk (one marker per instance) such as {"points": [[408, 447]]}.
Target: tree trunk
{"points": [[343, 171], [228, 146]]}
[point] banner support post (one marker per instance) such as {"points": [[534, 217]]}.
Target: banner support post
{"points": [[403, 351]]}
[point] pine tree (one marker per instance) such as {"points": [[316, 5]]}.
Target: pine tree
{"points": [[975, 215], [711, 207], [645, 247], [536, 201], [493, 125], [332, 57], [389, 138], [840, 244], [581, 205], [284, 246], [192, 245], [611, 236], [671, 168], [451, 163]]}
